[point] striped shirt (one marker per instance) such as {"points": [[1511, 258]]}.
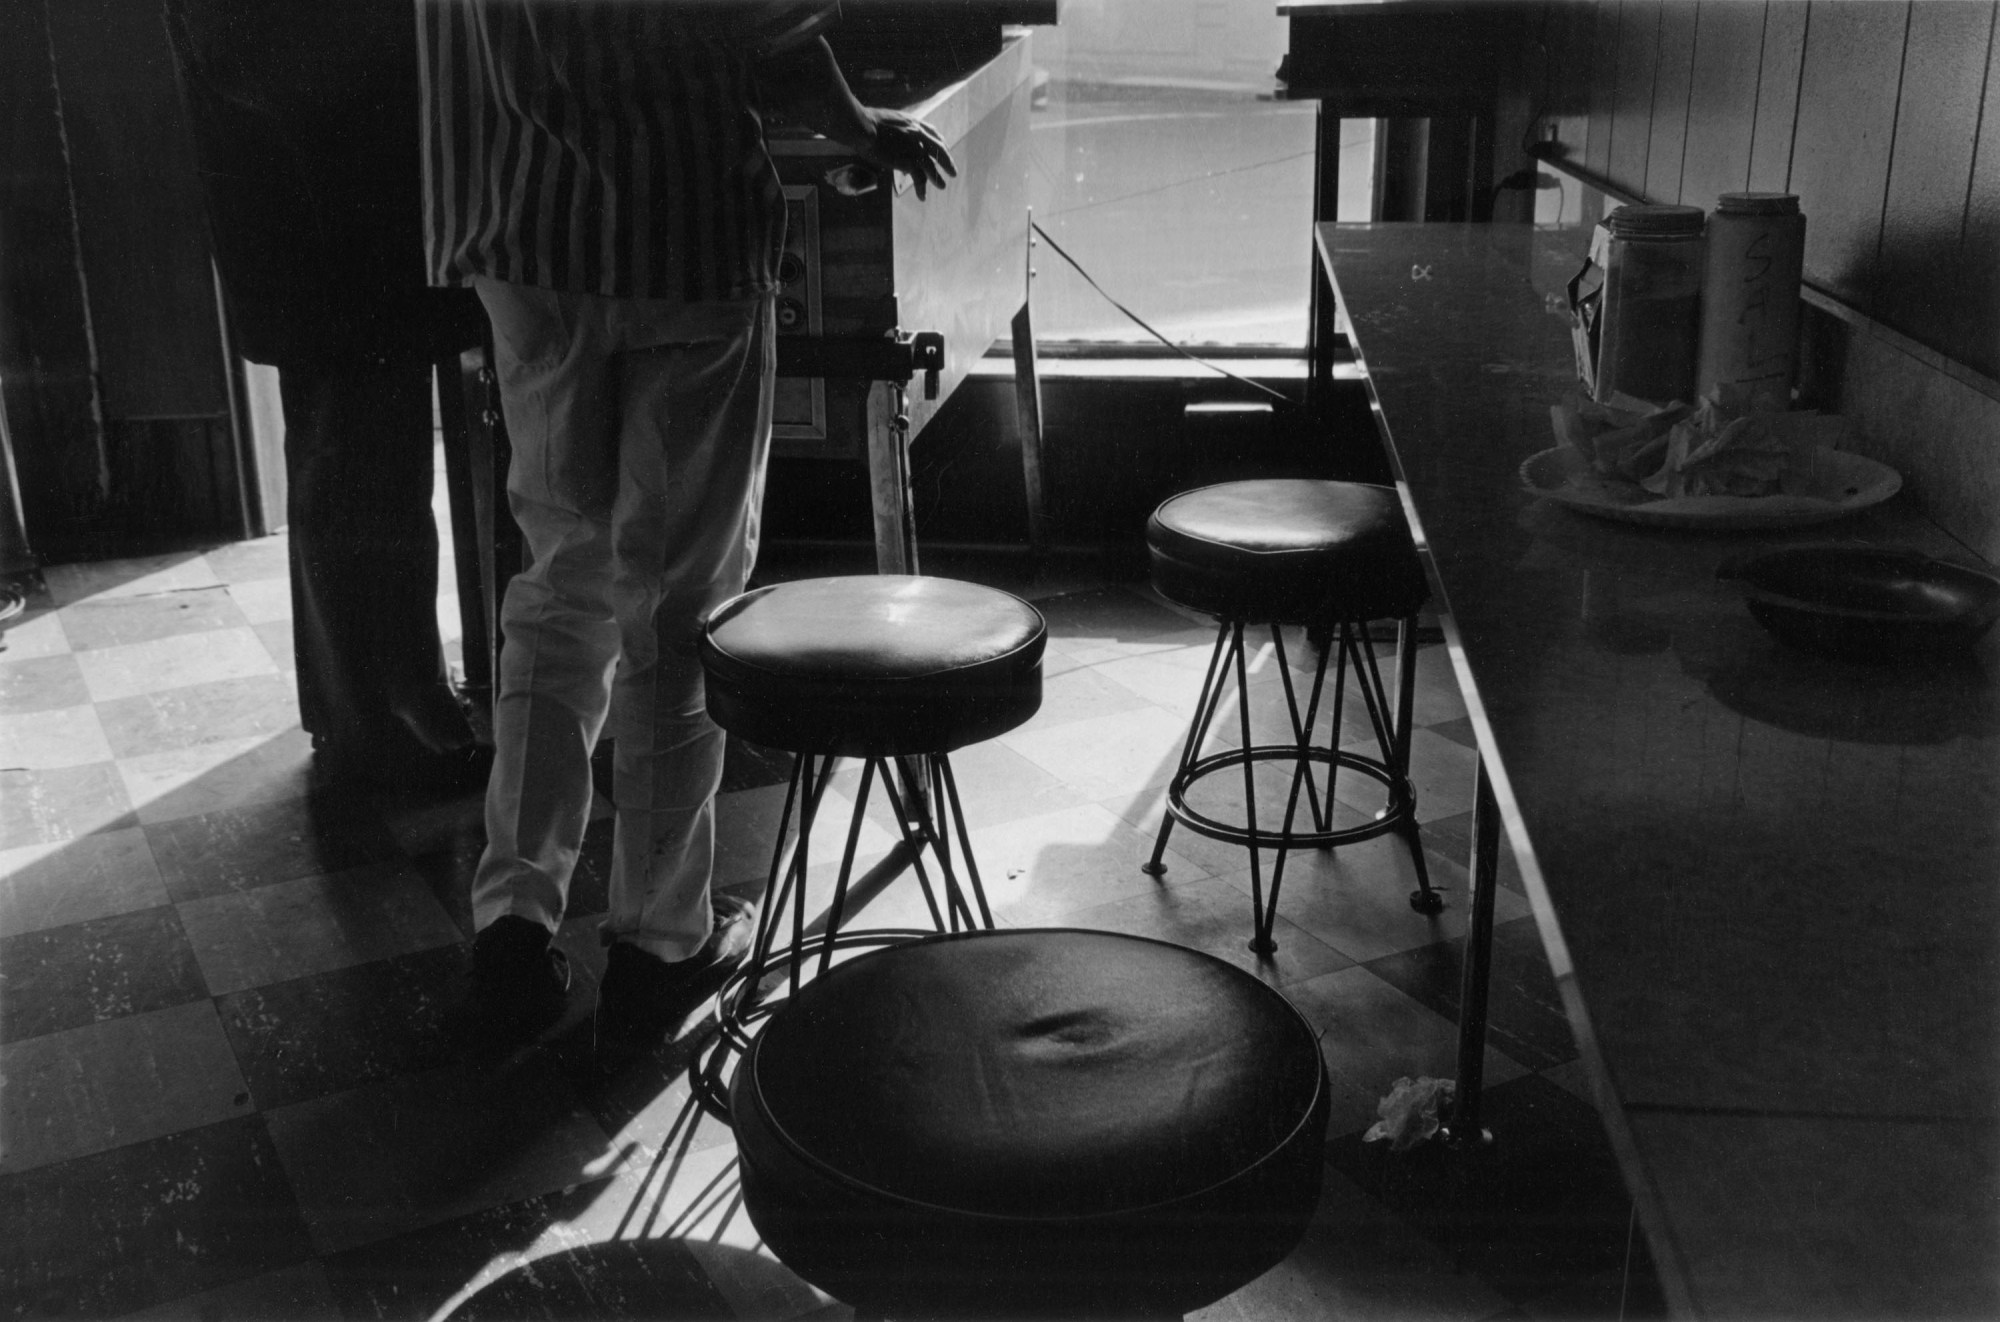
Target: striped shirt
{"points": [[608, 147]]}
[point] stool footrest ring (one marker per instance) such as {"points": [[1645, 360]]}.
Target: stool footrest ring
{"points": [[1400, 809]]}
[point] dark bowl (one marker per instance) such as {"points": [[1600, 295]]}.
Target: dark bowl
{"points": [[1865, 603]]}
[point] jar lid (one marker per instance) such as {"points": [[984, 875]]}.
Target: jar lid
{"points": [[1656, 221], [1757, 204]]}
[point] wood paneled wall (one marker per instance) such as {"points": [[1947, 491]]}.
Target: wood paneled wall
{"points": [[1882, 115]]}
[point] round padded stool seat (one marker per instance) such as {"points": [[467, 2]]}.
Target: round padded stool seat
{"points": [[878, 665], [1032, 1123], [1287, 550]]}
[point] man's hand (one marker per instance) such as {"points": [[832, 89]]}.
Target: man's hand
{"points": [[903, 142], [807, 82]]}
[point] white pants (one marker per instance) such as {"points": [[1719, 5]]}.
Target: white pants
{"points": [[640, 430]]}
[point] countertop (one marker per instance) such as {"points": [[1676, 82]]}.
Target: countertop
{"points": [[1769, 883]]}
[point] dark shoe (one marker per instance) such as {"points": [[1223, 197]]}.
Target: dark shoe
{"points": [[644, 1001], [517, 989]]}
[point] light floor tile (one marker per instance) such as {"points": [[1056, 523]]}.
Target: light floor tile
{"points": [[293, 928], [1105, 755], [33, 635], [123, 621], [61, 803], [1220, 797], [263, 600], [215, 711], [54, 885], [996, 784], [39, 683], [116, 1082], [165, 663], [261, 559], [210, 777], [1080, 694], [1042, 869], [1443, 773], [128, 578], [747, 828], [66, 737]]}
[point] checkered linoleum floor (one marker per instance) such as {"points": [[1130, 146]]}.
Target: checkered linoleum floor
{"points": [[227, 1094]]}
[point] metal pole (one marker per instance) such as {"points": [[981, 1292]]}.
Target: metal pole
{"points": [[1464, 1127]]}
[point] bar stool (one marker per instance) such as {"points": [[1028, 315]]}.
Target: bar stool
{"points": [[1332, 556], [897, 671], [1030, 1124]]}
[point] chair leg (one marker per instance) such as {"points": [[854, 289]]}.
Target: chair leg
{"points": [[942, 773], [1204, 710], [913, 819]]}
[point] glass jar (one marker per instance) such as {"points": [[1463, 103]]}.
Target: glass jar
{"points": [[1750, 300], [1636, 305]]}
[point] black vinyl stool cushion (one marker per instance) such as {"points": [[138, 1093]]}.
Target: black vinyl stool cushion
{"points": [[1032, 1123], [1287, 550], [873, 665]]}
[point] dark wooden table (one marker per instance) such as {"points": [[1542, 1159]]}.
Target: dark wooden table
{"points": [[1768, 883]]}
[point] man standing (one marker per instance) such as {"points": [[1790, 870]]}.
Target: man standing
{"points": [[301, 118], [596, 170]]}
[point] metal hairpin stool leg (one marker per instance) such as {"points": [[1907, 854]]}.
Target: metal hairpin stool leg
{"points": [[1295, 551], [893, 671]]}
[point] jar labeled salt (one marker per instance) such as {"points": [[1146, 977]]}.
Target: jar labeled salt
{"points": [[1750, 300]]}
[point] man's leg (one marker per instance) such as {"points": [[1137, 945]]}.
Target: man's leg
{"points": [[364, 551], [695, 436], [562, 640]]}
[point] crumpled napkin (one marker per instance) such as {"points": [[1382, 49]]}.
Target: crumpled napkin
{"points": [[1719, 447], [1410, 1112]]}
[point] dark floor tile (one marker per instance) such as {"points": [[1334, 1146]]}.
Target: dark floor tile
{"points": [[327, 1033], [413, 1275], [116, 621], [1533, 1211], [747, 766], [1450, 837], [101, 874], [67, 977], [1214, 916], [41, 683], [291, 1294], [662, 1279], [238, 849], [61, 803], [124, 1229], [198, 714], [590, 884], [424, 1149], [446, 868], [1630, 1296], [1524, 1012], [1110, 612], [1458, 731]]}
